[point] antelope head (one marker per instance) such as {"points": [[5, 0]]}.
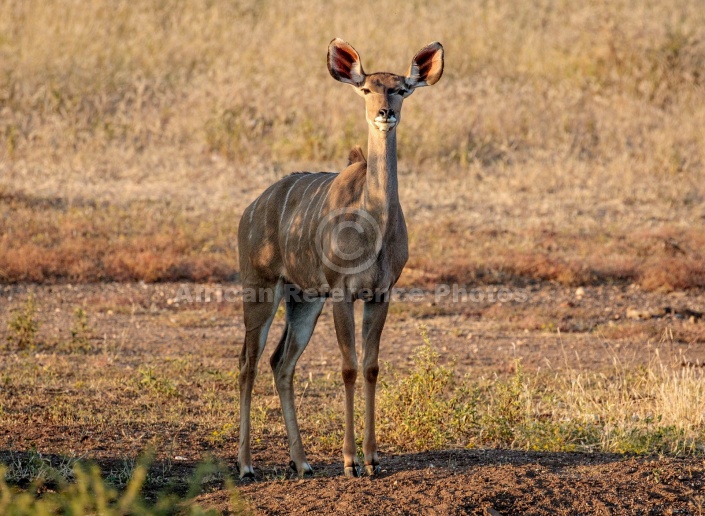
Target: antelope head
{"points": [[384, 92]]}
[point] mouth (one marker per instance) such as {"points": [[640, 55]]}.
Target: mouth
{"points": [[385, 124]]}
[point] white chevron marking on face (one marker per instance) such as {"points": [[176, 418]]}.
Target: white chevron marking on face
{"points": [[385, 125]]}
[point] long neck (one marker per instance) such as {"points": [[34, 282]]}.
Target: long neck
{"points": [[381, 196]]}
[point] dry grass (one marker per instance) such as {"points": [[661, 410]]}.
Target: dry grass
{"points": [[148, 241], [563, 142], [667, 259]]}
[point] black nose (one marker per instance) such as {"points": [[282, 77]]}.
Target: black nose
{"points": [[386, 113]]}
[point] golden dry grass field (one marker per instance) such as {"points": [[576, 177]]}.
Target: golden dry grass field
{"points": [[562, 149], [565, 143]]}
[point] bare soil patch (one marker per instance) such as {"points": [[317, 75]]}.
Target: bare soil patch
{"points": [[473, 481]]}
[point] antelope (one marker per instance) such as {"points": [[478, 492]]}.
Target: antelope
{"points": [[311, 236]]}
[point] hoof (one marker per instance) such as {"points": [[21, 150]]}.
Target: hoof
{"points": [[352, 471], [247, 473], [373, 470], [307, 470]]}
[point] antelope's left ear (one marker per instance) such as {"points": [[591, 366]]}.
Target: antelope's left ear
{"points": [[344, 63], [426, 67]]}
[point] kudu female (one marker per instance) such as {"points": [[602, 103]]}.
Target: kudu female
{"points": [[311, 236]]}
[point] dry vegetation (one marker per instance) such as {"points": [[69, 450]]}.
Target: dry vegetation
{"points": [[565, 142]]}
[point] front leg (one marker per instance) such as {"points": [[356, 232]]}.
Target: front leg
{"points": [[373, 319], [344, 319]]}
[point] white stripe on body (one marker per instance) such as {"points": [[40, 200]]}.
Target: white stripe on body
{"points": [[291, 220], [320, 209], [303, 219], [293, 216], [286, 198], [266, 205], [252, 214]]}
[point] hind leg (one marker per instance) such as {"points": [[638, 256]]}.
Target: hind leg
{"points": [[258, 318], [301, 317]]}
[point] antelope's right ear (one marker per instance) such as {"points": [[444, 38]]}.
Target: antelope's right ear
{"points": [[426, 67], [344, 63]]}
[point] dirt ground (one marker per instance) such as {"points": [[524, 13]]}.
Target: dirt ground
{"points": [[473, 481], [94, 404]]}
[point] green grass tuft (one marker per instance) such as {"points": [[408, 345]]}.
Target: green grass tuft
{"points": [[23, 325], [430, 408], [85, 491]]}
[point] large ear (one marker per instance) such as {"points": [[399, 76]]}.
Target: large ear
{"points": [[344, 63], [426, 67]]}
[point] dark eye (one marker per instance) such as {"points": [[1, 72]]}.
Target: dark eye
{"points": [[365, 91], [397, 92]]}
